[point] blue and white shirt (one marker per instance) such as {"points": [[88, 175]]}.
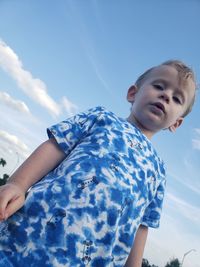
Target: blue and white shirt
{"points": [[86, 212]]}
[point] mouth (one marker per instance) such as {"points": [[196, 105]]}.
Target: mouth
{"points": [[159, 106]]}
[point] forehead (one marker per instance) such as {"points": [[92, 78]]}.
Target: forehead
{"points": [[164, 72], [171, 76]]}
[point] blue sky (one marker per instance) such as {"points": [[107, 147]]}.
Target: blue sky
{"points": [[61, 57]]}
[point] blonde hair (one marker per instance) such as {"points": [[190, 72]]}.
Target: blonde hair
{"points": [[184, 73]]}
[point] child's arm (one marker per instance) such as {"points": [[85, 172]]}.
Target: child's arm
{"points": [[136, 254], [44, 159]]}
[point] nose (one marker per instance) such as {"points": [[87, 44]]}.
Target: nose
{"points": [[165, 96]]}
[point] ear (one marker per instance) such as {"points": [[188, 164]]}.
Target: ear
{"points": [[131, 93], [174, 126]]}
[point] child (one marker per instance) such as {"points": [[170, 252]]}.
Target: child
{"points": [[103, 182]]}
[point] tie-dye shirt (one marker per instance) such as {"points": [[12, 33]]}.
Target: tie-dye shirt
{"points": [[86, 212]]}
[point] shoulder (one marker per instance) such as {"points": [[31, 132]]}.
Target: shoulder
{"points": [[101, 113], [93, 112]]}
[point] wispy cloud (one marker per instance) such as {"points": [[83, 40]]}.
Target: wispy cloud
{"points": [[196, 144], [69, 106], [98, 73], [88, 43], [33, 87], [14, 144], [15, 104], [191, 186], [176, 242], [196, 141], [187, 210]]}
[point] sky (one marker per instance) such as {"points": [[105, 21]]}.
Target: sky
{"points": [[58, 58]]}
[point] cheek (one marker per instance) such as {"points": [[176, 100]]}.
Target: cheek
{"points": [[148, 96], [174, 116], [181, 111], [143, 97]]}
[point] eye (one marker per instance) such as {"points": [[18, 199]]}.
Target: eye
{"points": [[159, 86], [177, 100]]}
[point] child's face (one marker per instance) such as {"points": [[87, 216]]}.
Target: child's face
{"points": [[161, 100]]}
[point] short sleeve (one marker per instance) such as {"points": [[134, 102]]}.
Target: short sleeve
{"points": [[70, 132], [152, 214]]}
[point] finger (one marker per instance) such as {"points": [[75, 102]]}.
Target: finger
{"points": [[5, 197], [13, 206]]}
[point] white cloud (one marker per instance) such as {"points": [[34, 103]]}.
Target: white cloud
{"points": [[13, 144], [18, 105], [33, 87]]}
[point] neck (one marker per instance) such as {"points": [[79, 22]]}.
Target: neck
{"points": [[149, 134]]}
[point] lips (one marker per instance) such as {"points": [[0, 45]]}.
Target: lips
{"points": [[159, 106]]}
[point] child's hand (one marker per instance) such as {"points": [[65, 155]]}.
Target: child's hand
{"points": [[11, 199]]}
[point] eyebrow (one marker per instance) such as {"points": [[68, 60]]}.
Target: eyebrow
{"points": [[167, 83], [162, 81]]}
